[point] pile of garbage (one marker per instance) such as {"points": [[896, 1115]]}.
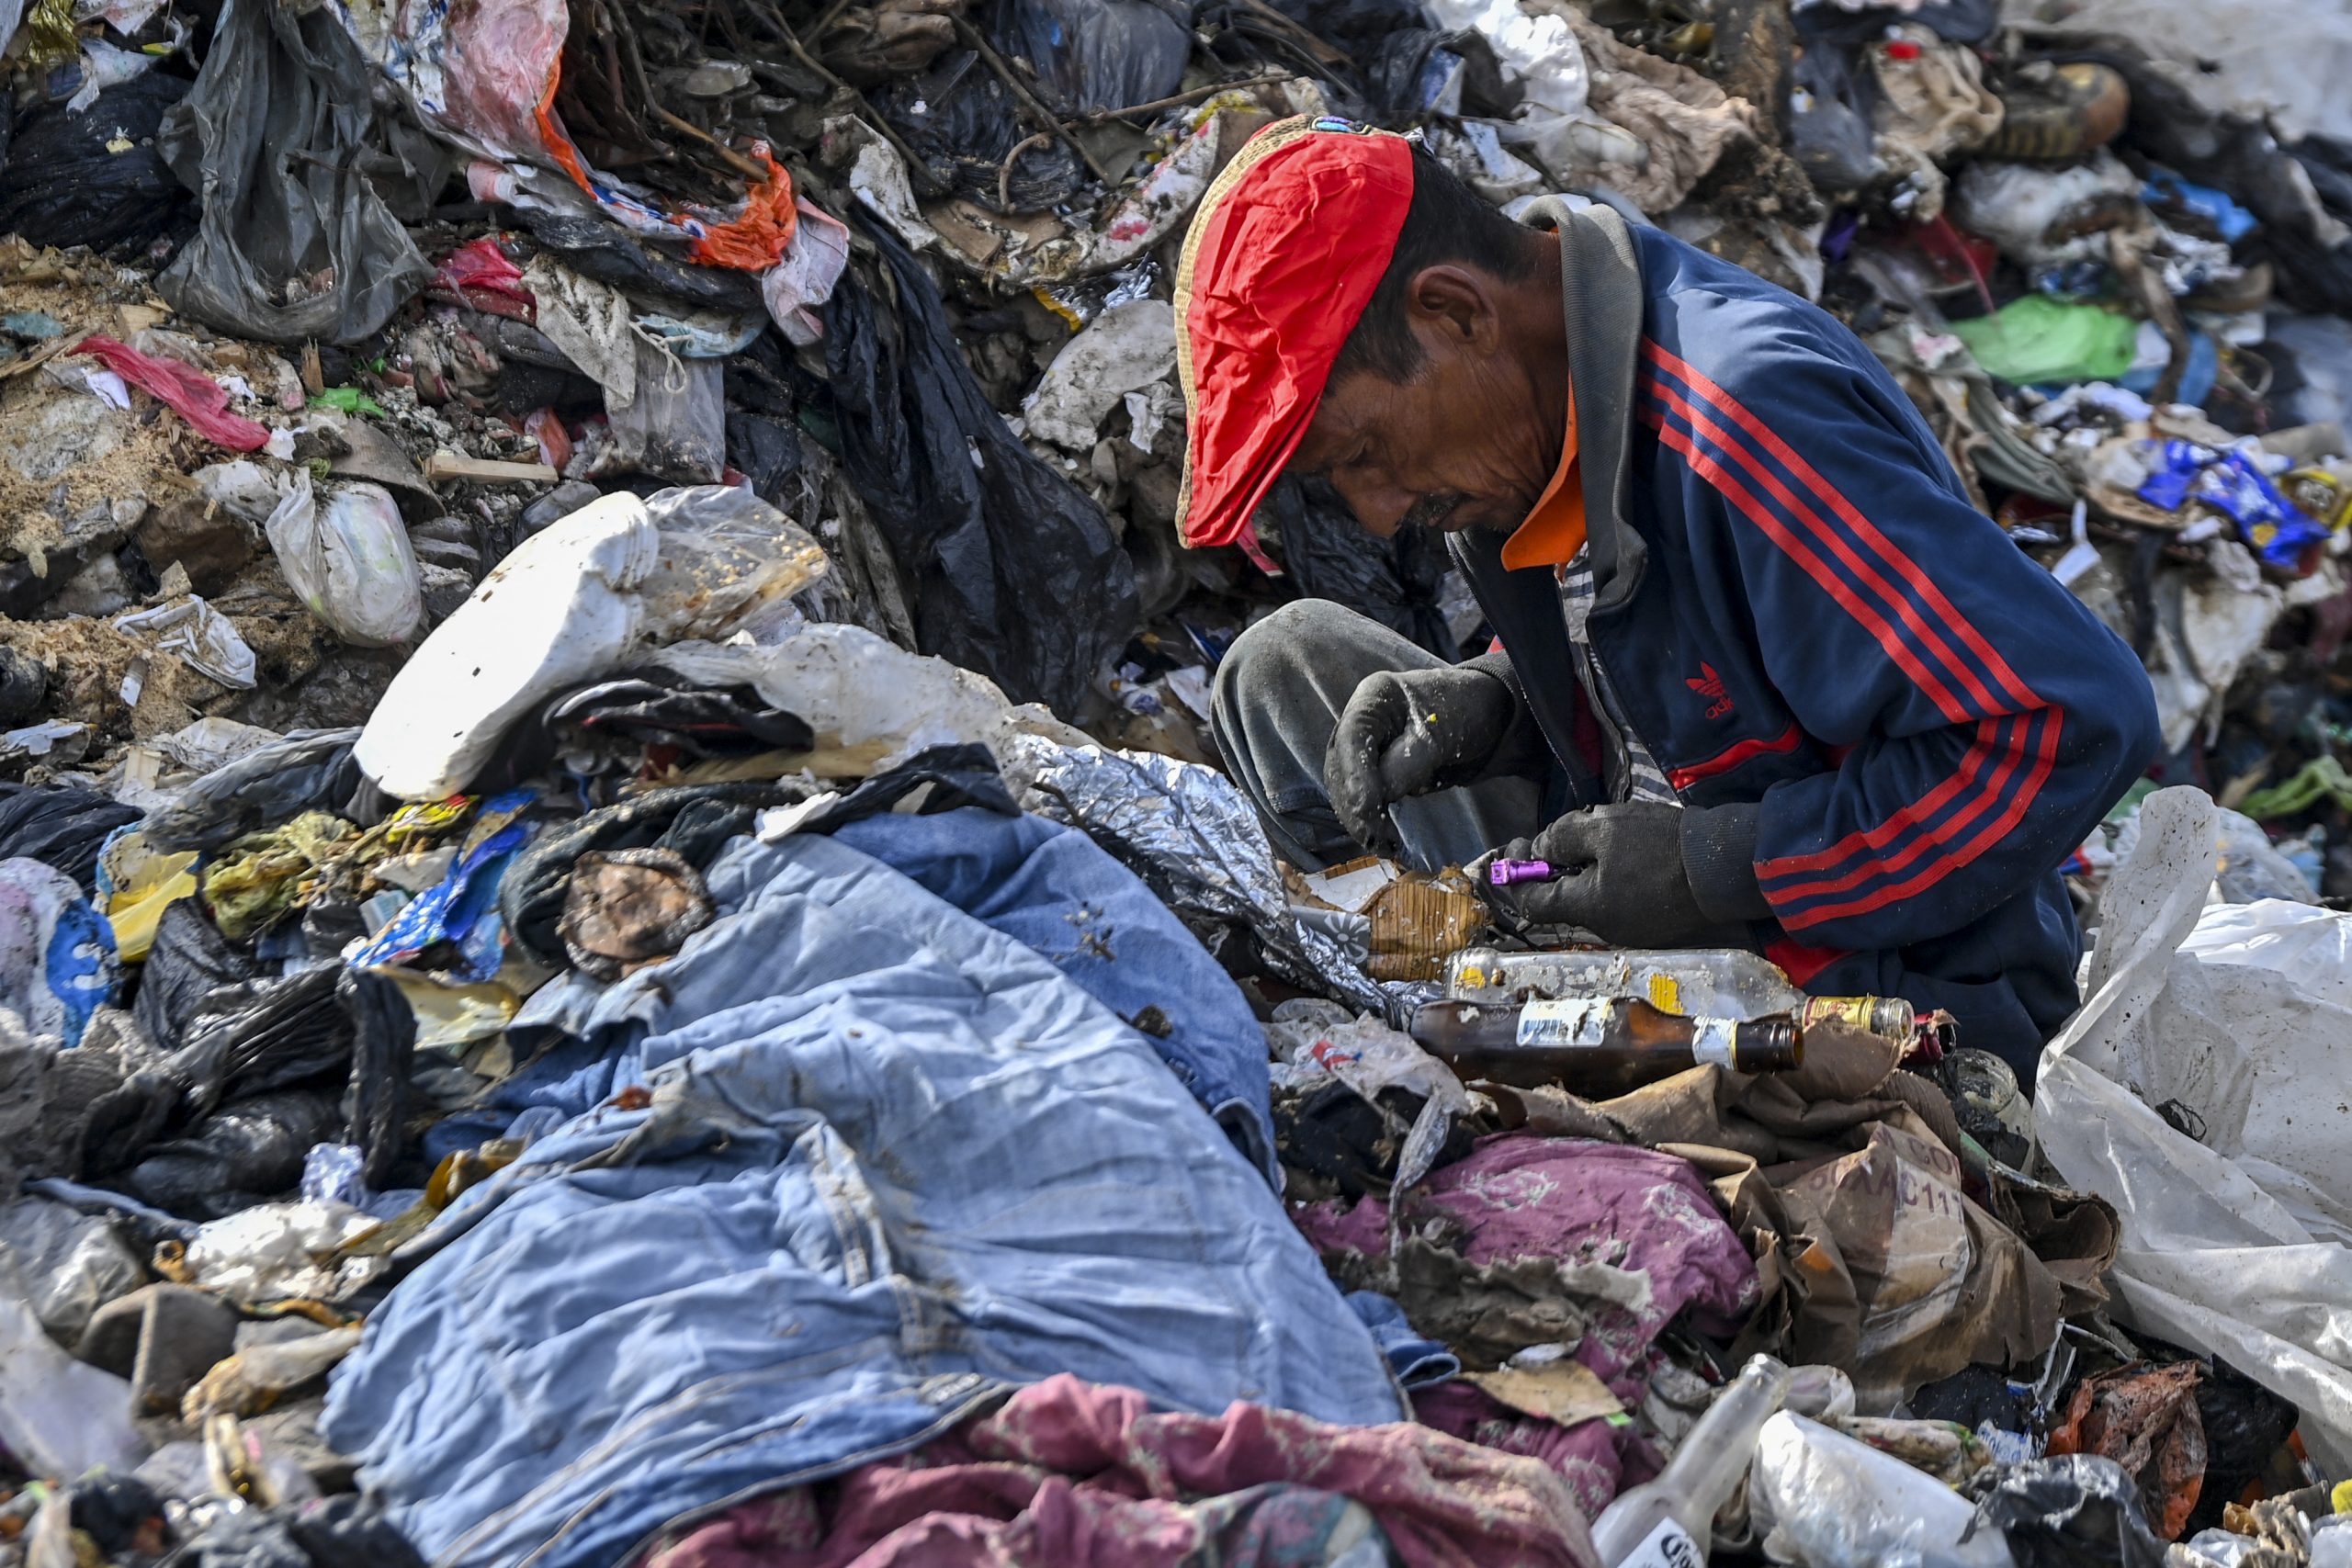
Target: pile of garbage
{"points": [[623, 939]]}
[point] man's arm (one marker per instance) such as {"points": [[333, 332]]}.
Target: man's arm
{"points": [[1988, 719]]}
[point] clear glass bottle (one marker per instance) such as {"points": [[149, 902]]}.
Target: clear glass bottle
{"points": [[1598, 1045], [1667, 1523], [1702, 983]]}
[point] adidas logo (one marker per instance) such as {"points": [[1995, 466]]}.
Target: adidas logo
{"points": [[1710, 685]]}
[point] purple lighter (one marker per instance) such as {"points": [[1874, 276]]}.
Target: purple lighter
{"points": [[1503, 873]]}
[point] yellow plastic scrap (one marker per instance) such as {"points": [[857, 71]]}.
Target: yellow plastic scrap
{"points": [[140, 884], [451, 1015], [410, 828], [261, 875], [46, 36]]}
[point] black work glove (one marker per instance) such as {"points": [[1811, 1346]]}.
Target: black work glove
{"points": [[1644, 873], [1408, 732]]}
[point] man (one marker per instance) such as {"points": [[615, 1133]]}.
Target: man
{"points": [[1766, 678]]}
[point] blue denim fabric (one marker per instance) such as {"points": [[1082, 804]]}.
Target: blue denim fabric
{"points": [[1056, 890], [1417, 1361], [894, 1161], [1045, 886]]}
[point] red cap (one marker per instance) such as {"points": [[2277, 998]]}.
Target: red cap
{"points": [[1282, 258]]}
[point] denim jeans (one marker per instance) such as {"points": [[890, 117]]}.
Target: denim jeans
{"points": [[1278, 698]]}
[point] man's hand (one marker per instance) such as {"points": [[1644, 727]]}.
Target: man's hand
{"points": [[1408, 732], [1621, 876]]}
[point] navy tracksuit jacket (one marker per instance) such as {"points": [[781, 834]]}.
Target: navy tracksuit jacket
{"points": [[1799, 607]]}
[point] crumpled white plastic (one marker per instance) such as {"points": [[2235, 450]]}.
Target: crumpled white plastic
{"points": [[2237, 1242]]}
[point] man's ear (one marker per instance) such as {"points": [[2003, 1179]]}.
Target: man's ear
{"points": [[1453, 307]]}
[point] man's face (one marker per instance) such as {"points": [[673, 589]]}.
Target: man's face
{"points": [[1461, 444]]}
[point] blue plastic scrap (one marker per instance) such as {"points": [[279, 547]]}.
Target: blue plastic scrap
{"points": [[2228, 481], [463, 908], [2230, 221]]}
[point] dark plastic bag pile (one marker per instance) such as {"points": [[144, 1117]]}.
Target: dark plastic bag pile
{"points": [[1011, 571], [61, 828], [281, 133], [62, 185]]}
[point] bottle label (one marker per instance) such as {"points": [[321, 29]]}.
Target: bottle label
{"points": [[1668, 1546], [1578, 1022], [1711, 1041]]}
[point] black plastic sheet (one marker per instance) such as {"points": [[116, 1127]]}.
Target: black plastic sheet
{"points": [[61, 184], [190, 961], [2078, 1511], [311, 769], [1097, 54], [60, 826], [1329, 555], [244, 1154], [1011, 571], [383, 1052], [281, 135]]}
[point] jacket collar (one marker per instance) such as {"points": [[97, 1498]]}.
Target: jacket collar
{"points": [[1601, 292]]}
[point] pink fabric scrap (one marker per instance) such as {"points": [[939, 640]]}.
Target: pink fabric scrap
{"points": [[196, 397], [1070, 1474], [1518, 1195], [478, 273]]}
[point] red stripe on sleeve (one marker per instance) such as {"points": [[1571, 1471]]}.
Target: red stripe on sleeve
{"points": [[2045, 760], [1972, 764], [1877, 625], [1868, 533], [1947, 661]]}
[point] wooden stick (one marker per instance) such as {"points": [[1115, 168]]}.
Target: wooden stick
{"points": [[1045, 118], [1194, 97], [734, 160], [486, 470]]}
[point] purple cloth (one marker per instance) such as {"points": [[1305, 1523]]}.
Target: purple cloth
{"points": [[1576, 1199]]}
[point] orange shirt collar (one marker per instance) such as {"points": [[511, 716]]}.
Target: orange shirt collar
{"points": [[1553, 532]]}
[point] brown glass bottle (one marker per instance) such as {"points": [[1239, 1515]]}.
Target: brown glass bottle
{"points": [[1599, 1045]]}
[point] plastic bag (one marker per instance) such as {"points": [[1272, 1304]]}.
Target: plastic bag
{"points": [[57, 957], [281, 133], [70, 1264], [204, 638], [193, 395], [2237, 1241], [58, 1416], [1821, 1499], [674, 427], [2074, 1512], [869, 702], [307, 770], [272, 1251], [240, 1154], [58, 826], [383, 1049], [575, 602], [349, 560], [1098, 54], [1012, 570], [62, 183]]}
